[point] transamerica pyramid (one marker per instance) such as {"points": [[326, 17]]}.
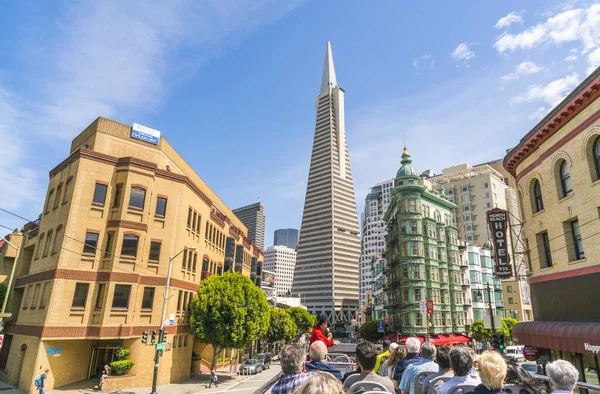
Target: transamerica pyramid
{"points": [[326, 274]]}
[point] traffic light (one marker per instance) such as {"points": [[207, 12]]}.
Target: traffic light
{"points": [[501, 341], [145, 337], [153, 339], [163, 337], [495, 343]]}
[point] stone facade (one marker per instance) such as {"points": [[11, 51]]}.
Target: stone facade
{"points": [[92, 272]]}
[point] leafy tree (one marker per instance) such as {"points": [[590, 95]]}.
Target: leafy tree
{"points": [[368, 331], [229, 312], [303, 319], [507, 327], [281, 327], [480, 334]]}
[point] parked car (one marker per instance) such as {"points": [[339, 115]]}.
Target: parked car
{"points": [[250, 366], [275, 357], [514, 353], [531, 368], [264, 359]]}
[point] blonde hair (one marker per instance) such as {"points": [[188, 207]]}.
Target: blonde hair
{"points": [[492, 370], [318, 382], [397, 354]]}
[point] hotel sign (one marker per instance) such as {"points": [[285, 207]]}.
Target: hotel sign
{"points": [[497, 220], [144, 133]]}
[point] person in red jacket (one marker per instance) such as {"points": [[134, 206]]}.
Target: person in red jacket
{"points": [[319, 333]]}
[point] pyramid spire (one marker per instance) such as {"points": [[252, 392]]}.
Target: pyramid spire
{"points": [[329, 80]]}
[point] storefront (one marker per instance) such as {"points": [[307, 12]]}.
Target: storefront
{"points": [[577, 342]]}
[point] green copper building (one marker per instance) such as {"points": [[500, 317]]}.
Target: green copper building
{"points": [[423, 258]]}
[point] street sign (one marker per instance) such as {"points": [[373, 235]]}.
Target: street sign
{"points": [[160, 346], [380, 326], [531, 353], [172, 319], [487, 323], [497, 220], [423, 307], [430, 307], [1, 340]]}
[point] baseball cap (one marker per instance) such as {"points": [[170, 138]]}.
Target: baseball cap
{"points": [[393, 346]]}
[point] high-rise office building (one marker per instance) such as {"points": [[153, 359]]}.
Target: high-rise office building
{"points": [[373, 240], [286, 237], [281, 260], [326, 275], [253, 217]]}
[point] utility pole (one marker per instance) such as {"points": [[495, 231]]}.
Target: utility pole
{"points": [[161, 332], [493, 324]]}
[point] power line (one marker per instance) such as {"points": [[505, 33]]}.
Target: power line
{"points": [[567, 245]]}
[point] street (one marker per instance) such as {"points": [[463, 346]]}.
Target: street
{"points": [[250, 385]]}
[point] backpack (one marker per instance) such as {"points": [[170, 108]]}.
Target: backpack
{"points": [[38, 381]]}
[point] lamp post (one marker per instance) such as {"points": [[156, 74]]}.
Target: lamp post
{"points": [[10, 280], [161, 332]]}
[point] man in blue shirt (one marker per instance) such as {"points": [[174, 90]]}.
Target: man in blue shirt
{"points": [[318, 351], [412, 346], [292, 367], [426, 364]]}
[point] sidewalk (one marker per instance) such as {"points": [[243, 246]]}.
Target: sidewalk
{"points": [[196, 384], [5, 388]]}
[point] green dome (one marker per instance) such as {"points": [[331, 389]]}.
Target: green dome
{"points": [[407, 169]]}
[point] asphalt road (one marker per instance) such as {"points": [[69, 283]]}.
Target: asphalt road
{"points": [[249, 386]]}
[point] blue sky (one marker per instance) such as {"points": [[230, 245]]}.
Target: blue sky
{"points": [[232, 84]]}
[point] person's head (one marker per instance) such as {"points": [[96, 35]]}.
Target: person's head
{"points": [[318, 350], [413, 345], [428, 350], [322, 322], [396, 355], [292, 359], [442, 357], [563, 375], [386, 344], [492, 370], [320, 383], [461, 360], [366, 355]]}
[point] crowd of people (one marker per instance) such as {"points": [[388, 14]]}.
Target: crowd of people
{"points": [[395, 370]]}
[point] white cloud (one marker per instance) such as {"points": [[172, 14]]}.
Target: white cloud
{"points": [[539, 114], [463, 52], [424, 62], [593, 60], [508, 20], [523, 69], [571, 58], [552, 93]]}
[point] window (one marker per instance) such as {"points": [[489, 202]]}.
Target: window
{"points": [[486, 185], [118, 192], [161, 206], [48, 241], [412, 205], [154, 251], [148, 299], [489, 204], [49, 202], [108, 248], [137, 198], [466, 198], [91, 243], [510, 300], [39, 246], [57, 238], [467, 217], [121, 296], [468, 227], [413, 226], [466, 208], [189, 218], [509, 289], [596, 156], [67, 184], [565, 179], [545, 255], [415, 249], [536, 191], [43, 295], [183, 261], [99, 194], [487, 195], [417, 293], [58, 193], [506, 181], [465, 188], [100, 296], [80, 296], [130, 245], [469, 237], [577, 252]]}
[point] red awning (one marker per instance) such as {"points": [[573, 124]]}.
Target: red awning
{"points": [[575, 337], [440, 340]]}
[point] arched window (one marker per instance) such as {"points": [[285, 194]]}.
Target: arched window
{"points": [[596, 156], [47, 245], [536, 192], [565, 179], [57, 239], [40, 245]]}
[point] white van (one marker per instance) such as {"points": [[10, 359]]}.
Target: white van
{"points": [[515, 353]]}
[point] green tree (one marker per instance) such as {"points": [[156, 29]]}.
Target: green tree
{"points": [[507, 327], [281, 327], [229, 312], [303, 319], [480, 334], [368, 331]]}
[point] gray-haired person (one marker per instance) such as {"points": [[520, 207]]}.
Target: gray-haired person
{"points": [[461, 361], [563, 376], [425, 364], [292, 367]]}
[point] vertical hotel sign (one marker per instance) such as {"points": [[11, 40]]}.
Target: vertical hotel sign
{"points": [[144, 133], [497, 220]]}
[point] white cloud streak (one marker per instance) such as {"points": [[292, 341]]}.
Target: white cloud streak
{"points": [[539, 114], [508, 20], [552, 93], [521, 70], [463, 52], [424, 62]]}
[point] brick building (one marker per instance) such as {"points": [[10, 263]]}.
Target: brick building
{"points": [[91, 274]]}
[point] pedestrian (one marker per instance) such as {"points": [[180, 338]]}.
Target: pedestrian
{"points": [[214, 379], [318, 382], [105, 372], [40, 381], [563, 376], [492, 372]]}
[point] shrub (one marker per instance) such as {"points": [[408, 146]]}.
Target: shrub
{"points": [[122, 354], [195, 355], [121, 367]]}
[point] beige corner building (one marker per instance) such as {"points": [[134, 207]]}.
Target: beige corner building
{"points": [[91, 273]]}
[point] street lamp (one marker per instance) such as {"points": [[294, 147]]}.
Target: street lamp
{"points": [[164, 315]]}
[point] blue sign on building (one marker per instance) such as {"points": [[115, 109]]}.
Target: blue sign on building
{"points": [[145, 134], [380, 326], [55, 351]]}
